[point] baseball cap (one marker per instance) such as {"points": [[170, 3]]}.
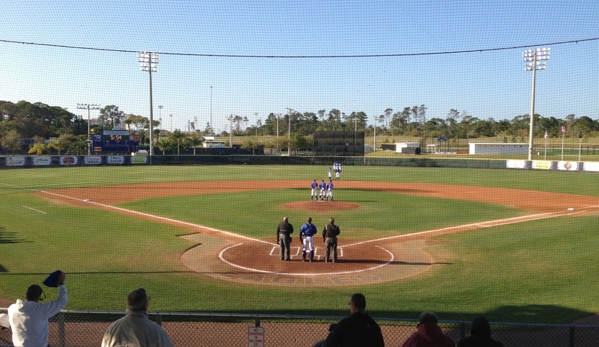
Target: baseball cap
{"points": [[52, 280], [4, 320]]}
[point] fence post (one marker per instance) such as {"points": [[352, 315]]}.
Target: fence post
{"points": [[462, 330], [61, 329], [572, 333], [159, 319]]}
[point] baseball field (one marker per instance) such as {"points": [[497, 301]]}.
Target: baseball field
{"points": [[516, 246]]}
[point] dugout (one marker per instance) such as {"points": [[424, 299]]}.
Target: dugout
{"points": [[338, 143]]}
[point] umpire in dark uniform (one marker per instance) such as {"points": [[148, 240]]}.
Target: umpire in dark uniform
{"points": [[329, 236], [284, 231]]}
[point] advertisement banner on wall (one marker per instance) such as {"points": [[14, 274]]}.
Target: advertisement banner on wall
{"points": [[15, 160], [42, 160], [139, 159], [542, 165], [92, 160], [68, 160], [590, 166], [567, 165], [115, 160], [515, 164]]}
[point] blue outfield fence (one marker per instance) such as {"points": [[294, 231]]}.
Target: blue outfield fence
{"points": [[86, 328], [24, 161]]}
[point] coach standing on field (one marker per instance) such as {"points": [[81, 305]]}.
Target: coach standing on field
{"points": [[284, 231], [329, 236]]}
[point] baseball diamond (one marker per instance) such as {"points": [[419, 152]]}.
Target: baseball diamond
{"points": [[235, 258]]}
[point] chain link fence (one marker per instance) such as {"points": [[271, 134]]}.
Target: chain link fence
{"points": [[86, 328]]}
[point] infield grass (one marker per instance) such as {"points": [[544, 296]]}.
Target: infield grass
{"points": [[539, 271]]}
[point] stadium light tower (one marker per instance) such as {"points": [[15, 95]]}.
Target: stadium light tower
{"points": [[149, 62], [88, 107], [534, 59]]}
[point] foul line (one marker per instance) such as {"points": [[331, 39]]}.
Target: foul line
{"points": [[33, 209], [152, 216], [480, 225]]}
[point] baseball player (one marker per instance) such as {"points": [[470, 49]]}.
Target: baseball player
{"points": [[330, 190], [337, 170], [314, 193], [307, 232], [323, 190], [330, 174]]}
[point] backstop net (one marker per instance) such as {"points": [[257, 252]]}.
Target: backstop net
{"points": [[338, 143]]}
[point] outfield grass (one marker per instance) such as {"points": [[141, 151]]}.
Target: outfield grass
{"points": [[540, 271]]}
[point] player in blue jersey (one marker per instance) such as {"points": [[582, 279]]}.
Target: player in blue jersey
{"points": [[307, 232], [314, 192], [337, 168], [330, 190], [323, 190]]}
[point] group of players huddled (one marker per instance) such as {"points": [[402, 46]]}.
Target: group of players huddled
{"points": [[324, 191]]}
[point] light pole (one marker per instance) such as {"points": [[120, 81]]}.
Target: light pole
{"points": [[149, 62], [211, 110], [374, 149], [160, 119], [278, 115], [534, 60], [88, 107], [171, 115]]}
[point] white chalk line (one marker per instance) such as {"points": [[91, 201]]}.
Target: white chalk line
{"points": [[486, 224], [306, 274], [152, 216], [33, 209]]}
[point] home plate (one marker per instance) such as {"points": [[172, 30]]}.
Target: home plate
{"points": [[570, 208]]}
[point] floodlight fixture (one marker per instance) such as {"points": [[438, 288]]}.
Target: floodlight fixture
{"points": [[534, 59], [149, 63], [88, 107]]}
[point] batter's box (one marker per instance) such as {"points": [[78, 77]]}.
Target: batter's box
{"points": [[296, 252]]}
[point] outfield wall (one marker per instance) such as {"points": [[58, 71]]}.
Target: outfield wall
{"points": [[23, 161]]}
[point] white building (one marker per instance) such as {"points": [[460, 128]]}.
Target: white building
{"points": [[498, 148]]}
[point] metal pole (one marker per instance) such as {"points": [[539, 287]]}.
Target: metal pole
{"points": [[151, 109], [211, 110], [532, 108]]}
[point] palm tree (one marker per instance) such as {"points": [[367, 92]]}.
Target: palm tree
{"points": [[177, 137], [193, 141], [37, 149]]}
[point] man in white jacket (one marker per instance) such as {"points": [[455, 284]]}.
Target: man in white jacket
{"points": [[29, 319]]}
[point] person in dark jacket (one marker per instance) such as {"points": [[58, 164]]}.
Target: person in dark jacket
{"points": [[429, 334], [480, 335], [357, 330]]}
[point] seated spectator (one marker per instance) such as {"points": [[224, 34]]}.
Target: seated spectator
{"points": [[323, 342], [357, 330], [480, 335], [4, 324], [135, 328], [429, 334]]}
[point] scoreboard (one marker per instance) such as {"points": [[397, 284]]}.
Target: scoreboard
{"points": [[118, 141]]}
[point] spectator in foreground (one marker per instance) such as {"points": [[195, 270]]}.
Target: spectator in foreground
{"points": [[480, 335], [429, 333], [357, 330], [29, 319], [323, 342], [4, 324], [135, 328]]}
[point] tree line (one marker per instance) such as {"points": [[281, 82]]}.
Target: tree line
{"points": [[41, 127]]}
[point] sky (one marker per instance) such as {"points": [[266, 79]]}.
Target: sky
{"points": [[252, 58]]}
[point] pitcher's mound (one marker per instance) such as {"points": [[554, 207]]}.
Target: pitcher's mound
{"points": [[321, 206]]}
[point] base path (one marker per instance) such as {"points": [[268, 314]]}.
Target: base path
{"points": [[225, 256]]}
